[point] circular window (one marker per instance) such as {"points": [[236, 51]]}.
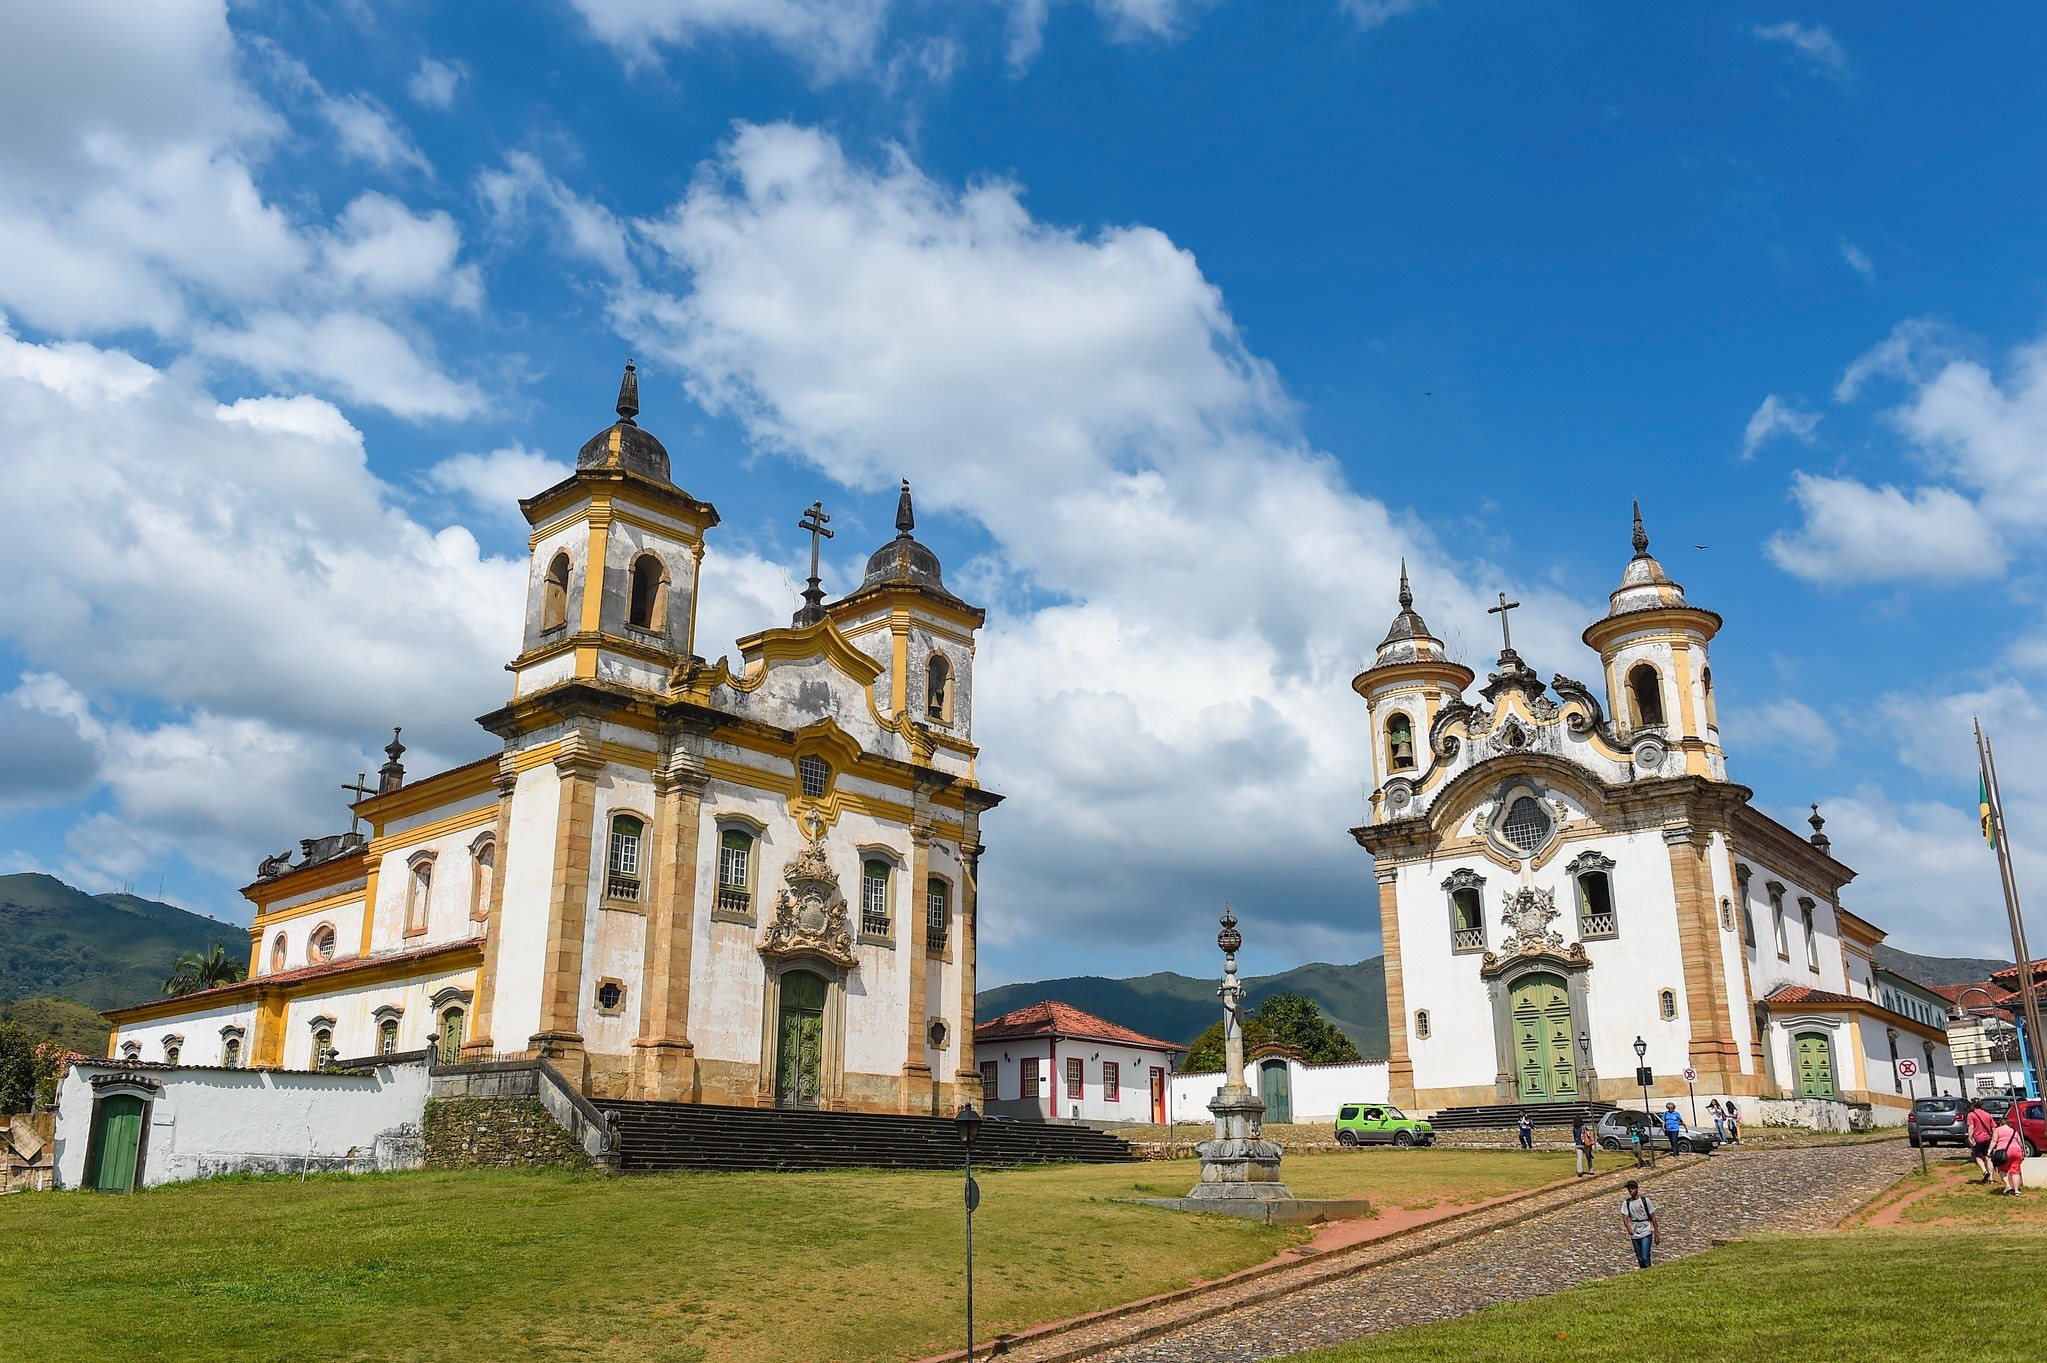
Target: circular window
{"points": [[938, 1033], [610, 995], [321, 948], [1527, 824]]}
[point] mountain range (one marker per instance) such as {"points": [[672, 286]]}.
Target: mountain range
{"points": [[102, 950]]}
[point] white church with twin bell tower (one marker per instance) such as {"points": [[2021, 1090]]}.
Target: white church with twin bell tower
{"points": [[1566, 870], [745, 882]]}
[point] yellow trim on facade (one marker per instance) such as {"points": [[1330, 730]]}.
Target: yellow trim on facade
{"points": [[426, 832], [311, 906], [417, 797]]}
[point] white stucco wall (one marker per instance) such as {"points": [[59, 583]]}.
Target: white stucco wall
{"points": [[200, 1032], [1318, 1090], [203, 1122], [354, 1013], [1132, 1104]]}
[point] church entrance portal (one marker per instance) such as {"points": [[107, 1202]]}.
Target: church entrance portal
{"points": [[799, 1040], [1544, 1068], [1815, 1066]]}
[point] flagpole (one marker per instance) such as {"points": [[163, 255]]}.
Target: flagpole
{"points": [[2029, 1001]]}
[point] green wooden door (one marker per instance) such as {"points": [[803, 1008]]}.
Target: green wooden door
{"points": [[117, 1142], [1815, 1061], [1276, 1087], [1545, 1070], [799, 1041]]}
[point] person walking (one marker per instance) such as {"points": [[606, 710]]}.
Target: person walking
{"points": [[1733, 1115], [1980, 1126], [1672, 1124], [1719, 1121], [1638, 1214], [1582, 1144], [1637, 1135], [1526, 1126], [2008, 1153]]}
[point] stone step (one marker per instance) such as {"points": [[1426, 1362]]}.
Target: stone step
{"points": [[1503, 1115]]}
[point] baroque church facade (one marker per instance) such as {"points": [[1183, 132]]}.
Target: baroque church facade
{"points": [[747, 882], [1566, 871]]}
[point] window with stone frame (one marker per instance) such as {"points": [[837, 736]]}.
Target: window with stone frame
{"points": [[1897, 1080], [419, 887], [1467, 910], [1812, 937], [387, 1037], [554, 595], [449, 1040], [647, 595], [323, 1047], [1666, 1004], [815, 774], [991, 1081], [1112, 1082], [1399, 742], [483, 870], [173, 1047], [231, 1053], [1028, 1071], [610, 997], [1421, 1024], [735, 871], [1777, 919], [131, 1050], [937, 915], [874, 897], [622, 865], [1592, 878], [277, 953], [1075, 1077], [320, 946], [1528, 824], [938, 689]]}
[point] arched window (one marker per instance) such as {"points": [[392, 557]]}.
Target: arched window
{"points": [[937, 914], [323, 1047], [173, 1047], [320, 946], [231, 1053], [1812, 940], [554, 594], [1666, 1004], [1645, 689], [419, 887], [735, 871], [1467, 910], [816, 775], [483, 871], [622, 871], [277, 953], [647, 606], [1897, 1080], [938, 689], [451, 1036], [1595, 905], [1777, 920], [874, 885], [387, 1037], [1400, 743], [1421, 1024]]}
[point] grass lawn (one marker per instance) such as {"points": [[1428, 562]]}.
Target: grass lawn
{"points": [[725, 1268], [1816, 1299]]}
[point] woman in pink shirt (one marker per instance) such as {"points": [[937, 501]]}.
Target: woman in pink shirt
{"points": [[2008, 1153], [1980, 1125]]}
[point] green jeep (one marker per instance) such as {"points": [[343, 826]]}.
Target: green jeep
{"points": [[1380, 1124]]}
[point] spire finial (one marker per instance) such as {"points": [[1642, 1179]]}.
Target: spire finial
{"points": [[1406, 596], [629, 394], [391, 775], [906, 518], [1819, 839], [1641, 535]]}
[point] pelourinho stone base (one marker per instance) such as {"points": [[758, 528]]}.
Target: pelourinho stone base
{"points": [[1274, 1211], [1238, 1164]]}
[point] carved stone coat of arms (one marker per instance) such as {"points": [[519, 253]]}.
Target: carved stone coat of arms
{"points": [[809, 917]]}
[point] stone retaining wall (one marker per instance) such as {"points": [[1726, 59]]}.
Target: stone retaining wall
{"points": [[498, 1133]]}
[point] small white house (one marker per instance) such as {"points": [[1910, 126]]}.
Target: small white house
{"points": [[1052, 1062]]}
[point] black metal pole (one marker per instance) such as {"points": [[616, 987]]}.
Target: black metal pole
{"points": [[970, 1253]]}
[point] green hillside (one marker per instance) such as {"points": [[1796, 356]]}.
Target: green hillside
{"points": [[1178, 1007], [101, 950], [1938, 969], [73, 1026]]}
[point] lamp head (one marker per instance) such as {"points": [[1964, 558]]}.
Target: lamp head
{"points": [[1641, 1048], [968, 1123]]}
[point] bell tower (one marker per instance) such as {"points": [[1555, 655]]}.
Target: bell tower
{"points": [[1410, 680], [1659, 676], [611, 584]]}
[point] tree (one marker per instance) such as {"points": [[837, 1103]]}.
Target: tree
{"points": [[192, 971], [1290, 1020], [29, 1067]]}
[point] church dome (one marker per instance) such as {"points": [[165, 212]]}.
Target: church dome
{"points": [[1644, 584], [903, 562], [623, 445], [1408, 639]]}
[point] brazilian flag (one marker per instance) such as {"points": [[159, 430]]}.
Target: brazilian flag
{"points": [[1983, 803]]}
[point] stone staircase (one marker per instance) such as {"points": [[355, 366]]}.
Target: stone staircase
{"points": [[654, 1136], [1499, 1116]]}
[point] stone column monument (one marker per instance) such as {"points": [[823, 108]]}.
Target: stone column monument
{"points": [[1238, 1164]]}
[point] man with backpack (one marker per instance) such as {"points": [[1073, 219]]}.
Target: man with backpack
{"points": [[1638, 1214]]}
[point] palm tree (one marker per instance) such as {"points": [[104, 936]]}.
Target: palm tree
{"points": [[192, 971]]}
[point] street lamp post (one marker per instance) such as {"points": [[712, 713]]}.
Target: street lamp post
{"points": [[1642, 1078], [968, 1123]]}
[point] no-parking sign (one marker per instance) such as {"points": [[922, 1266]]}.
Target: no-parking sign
{"points": [[1908, 1069], [1691, 1075]]}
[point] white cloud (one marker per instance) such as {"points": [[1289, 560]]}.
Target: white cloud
{"points": [[364, 358], [1857, 259], [383, 249], [366, 131], [1905, 354], [1774, 417], [1371, 14], [1813, 44], [1988, 435], [493, 483], [1088, 400], [524, 191], [1857, 533], [1923, 873], [1782, 725], [1125, 20], [48, 761], [834, 38], [225, 604], [435, 82]]}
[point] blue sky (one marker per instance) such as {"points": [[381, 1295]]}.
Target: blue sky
{"points": [[1187, 319]]}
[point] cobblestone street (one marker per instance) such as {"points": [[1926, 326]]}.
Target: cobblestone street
{"points": [[1448, 1272]]}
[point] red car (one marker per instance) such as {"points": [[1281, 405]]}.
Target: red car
{"points": [[2033, 1126]]}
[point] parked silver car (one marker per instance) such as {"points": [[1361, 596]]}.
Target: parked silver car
{"points": [[1613, 1128]]}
